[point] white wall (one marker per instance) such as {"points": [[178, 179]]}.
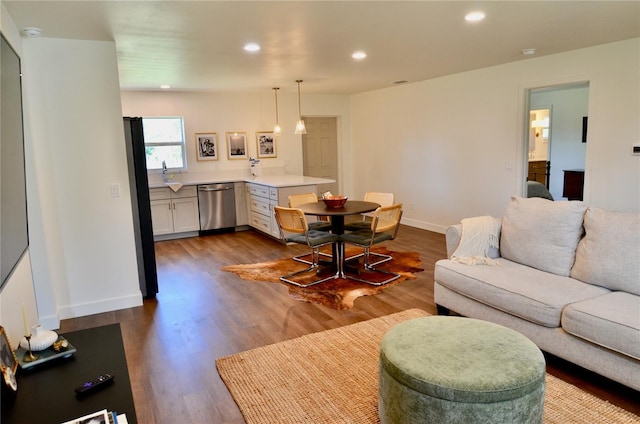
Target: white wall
{"points": [[82, 244], [248, 112], [19, 287], [446, 146]]}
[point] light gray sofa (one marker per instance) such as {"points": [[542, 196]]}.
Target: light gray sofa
{"points": [[565, 275]]}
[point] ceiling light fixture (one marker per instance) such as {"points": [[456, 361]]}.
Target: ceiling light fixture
{"points": [[359, 55], [528, 52], [251, 47], [276, 130], [300, 128], [165, 86], [31, 32], [474, 16]]}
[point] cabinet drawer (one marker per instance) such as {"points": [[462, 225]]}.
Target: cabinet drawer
{"points": [[273, 194], [259, 190], [185, 191], [259, 205], [261, 222], [159, 193]]}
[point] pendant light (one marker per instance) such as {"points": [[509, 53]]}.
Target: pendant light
{"points": [[300, 128], [276, 129]]}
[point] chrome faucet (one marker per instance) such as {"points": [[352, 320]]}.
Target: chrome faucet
{"points": [[164, 171]]}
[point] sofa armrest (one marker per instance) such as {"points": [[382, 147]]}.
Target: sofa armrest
{"points": [[452, 238]]}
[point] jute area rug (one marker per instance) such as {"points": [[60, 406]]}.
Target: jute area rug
{"points": [[337, 293], [332, 377]]}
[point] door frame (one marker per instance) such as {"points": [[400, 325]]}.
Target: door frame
{"points": [[523, 147]]}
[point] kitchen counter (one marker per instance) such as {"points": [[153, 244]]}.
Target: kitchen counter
{"points": [[177, 207], [284, 180]]}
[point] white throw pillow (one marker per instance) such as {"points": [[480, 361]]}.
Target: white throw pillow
{"points": [[542, 233], [609, 253]]}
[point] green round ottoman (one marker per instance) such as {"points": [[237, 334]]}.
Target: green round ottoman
{"points": [[443, 370]]}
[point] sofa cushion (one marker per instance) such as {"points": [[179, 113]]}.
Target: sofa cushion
{"points": [[519, 290], [609, 253], [542, 233], [611, 320]]}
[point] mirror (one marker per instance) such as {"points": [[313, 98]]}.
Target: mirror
{"points": [[539, 122]]}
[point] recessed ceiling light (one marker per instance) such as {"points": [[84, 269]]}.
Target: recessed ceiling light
{"points": [[165, 86], [359, 55], [31, 32], [528, 52], [474, 16], [251, 47]]}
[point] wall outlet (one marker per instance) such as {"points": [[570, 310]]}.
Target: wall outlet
{"points": [[115, 190], [508, 166]]}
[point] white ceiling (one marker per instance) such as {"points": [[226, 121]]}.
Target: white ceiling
{"points": [[197, 45]]}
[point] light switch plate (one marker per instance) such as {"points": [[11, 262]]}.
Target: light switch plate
{"points": [[115, 190]]}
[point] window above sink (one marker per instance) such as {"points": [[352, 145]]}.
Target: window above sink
{"points": [[164, 141]]}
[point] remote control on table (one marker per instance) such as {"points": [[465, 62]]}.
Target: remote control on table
{"points": [[99, 381]]}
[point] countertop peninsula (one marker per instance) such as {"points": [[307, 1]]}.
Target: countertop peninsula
{"points": [[283, 180]]}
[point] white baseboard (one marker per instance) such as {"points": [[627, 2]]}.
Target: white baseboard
{"points": [[424, 225], [106, 305]]}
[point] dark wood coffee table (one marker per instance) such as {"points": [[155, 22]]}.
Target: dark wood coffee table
{"points": [[46, 391]]}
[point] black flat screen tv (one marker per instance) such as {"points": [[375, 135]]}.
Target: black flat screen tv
{"points": [[14, 234]]}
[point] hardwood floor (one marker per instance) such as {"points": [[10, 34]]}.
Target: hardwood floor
{"points": [[202, 313]]}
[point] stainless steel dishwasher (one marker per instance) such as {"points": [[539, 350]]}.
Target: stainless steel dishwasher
{"points": [[217, 203]]}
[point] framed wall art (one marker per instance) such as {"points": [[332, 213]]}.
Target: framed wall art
{"points": [[207, 146], [237, 145], [266, 143], [8, 361]]}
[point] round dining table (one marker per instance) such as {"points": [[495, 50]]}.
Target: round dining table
{"points": [[351, 207]]}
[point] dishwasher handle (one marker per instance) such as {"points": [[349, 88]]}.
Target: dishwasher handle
{"points": [[215, 187]]}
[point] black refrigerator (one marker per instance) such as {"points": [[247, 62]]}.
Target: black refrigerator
{"points": [[141, 206]]}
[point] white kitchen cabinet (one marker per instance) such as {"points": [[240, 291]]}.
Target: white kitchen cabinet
{"points": [[161, 217], [174, 212], [242, 211], [263, 198], [185, 215]]}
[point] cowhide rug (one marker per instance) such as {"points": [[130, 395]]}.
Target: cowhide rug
{"points": [[337, 293]]}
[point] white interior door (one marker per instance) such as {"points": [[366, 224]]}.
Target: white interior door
{"points": [[320, 151]]}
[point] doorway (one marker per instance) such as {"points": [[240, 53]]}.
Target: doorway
{"points": [[554, 140], [539, 145], [320, 151]]}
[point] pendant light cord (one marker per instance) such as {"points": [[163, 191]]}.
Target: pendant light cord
{"points": [[275, 91], [299, 108]]}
